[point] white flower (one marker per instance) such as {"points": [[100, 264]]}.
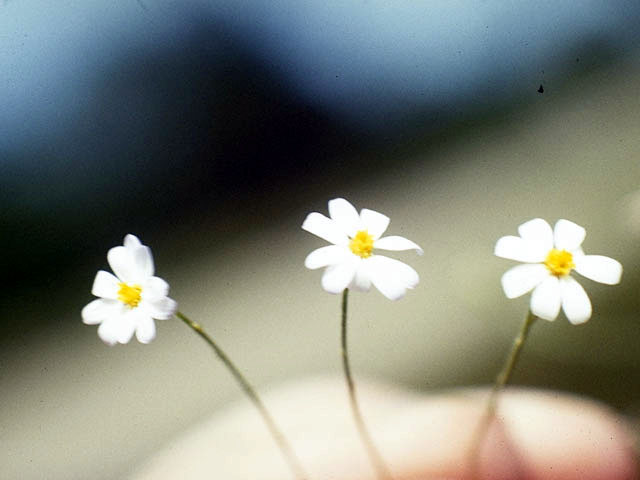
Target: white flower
{"points": [[549, 258], [350, 261], [130, 299]]}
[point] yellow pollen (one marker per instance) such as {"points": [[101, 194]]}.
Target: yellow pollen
{"points": [[362, 244], [129, 294], [559, 262]]}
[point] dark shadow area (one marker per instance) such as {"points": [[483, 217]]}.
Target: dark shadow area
{"points": [[203, 131]]}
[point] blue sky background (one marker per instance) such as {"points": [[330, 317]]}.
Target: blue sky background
{"points": [[368, 62]]}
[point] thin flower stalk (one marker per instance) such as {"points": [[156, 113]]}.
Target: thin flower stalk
{"points": [[501, 381], [352, 262], [282, 443], [505, 374], [378, 463]]}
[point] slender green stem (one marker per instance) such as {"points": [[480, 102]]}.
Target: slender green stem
{"points": [[378, 463], [504, 376], [501, 380], [285, 448]]}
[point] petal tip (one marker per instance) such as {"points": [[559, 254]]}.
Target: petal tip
{"points": [[108, 341], [172, 308], [544, 314], [339, 200], [618, 275], [332, 291], [498, 249], [569, 223], [130, 240], [396, 297], [307, 219], [578, 321]]}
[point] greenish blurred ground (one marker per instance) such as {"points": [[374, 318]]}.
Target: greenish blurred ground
{"points": [[73, 408]]}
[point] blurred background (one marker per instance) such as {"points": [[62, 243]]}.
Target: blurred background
{"points": [[211, 128]]}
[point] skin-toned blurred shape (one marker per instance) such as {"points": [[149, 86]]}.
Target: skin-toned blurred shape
{"points": [[537, 435]]}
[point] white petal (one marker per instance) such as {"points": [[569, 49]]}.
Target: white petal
{"points": [[126, 327], [575, 302], [154, 288], [338, 277], [537, 231], [121, 262], [146, 330], [568, 235], [143, 260], [392, 277], [105, 285], [394, 242], [325, 228], [516, 248], [329, 255], [132, 262], [95, 312], [345, 215], [521, 279], [131, 241], [362, 279], [375, 223], [578, 252], [108, 331], [599, 268], [161, 309], [546, 299]]}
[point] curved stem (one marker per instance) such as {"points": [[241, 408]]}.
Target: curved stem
{"points": [[501, 380], [381, 469], [285, 448]]}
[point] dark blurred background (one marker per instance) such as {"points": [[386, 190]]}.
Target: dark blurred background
{"points": [[210, 129]]}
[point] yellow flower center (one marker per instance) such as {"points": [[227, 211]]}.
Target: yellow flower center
{"points": [[362, 244], [129, 294], [559, 262]]}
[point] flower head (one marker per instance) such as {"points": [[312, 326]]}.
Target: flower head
{"points": [[549, 258], [351, 262], [130, 299]]}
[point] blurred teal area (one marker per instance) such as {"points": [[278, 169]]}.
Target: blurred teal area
{"points": [[210, 129]]}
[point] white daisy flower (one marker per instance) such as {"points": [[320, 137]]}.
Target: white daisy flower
{"points": [[549, 258], [130, 299], [350, 261]]}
